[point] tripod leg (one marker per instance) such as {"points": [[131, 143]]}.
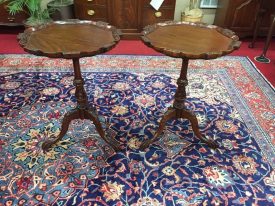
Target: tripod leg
{"points": [[195, 126], [69, 116], [94, 118], [256, 26], [171, 113], [262, 58]]}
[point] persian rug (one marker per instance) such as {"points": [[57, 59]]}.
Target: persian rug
{"points": [[232, 101]]}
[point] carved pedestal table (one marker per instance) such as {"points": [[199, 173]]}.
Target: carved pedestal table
{"points": [[72, 40], [187, 41]]}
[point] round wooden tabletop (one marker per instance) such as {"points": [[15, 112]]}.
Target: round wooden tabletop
{"points": [[69, 39], [190, 40]]}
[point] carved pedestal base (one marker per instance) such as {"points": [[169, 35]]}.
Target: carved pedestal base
{"points": [[179, 111], [173, 113], [76, 114], [82, 111]]}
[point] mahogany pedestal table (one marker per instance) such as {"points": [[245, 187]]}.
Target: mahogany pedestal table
{"points": [[187, 41], [72, 39]]}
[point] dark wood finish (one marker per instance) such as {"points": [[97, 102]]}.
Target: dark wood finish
{"points": [[256, 26], [63, 40], [240, 15], [11, 20], [93, 2], [187, 41], [129, 16], [95, 10], [262, 58], [265, 10], [271, 28], [124, 15], [149, 15], [190, 40]]}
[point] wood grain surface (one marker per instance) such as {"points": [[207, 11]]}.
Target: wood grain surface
{"points": [[190, 40], [69, 39]]}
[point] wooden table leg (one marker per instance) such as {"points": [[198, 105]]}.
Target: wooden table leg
{"points": [[179, 111], [258, 20], [82, 111], [262, 58]]}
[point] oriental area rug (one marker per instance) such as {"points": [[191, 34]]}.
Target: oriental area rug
{"points": [[232, 101]]}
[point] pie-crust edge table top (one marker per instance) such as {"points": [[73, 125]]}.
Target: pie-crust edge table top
{"points": [[73, 39], [190, 40], [187, 40], [69, 39]]}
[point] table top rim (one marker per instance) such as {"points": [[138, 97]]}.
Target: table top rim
{"points": [[235, 44], [24, 37]]}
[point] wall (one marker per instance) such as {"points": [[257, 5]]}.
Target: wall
{"points": [[208, 14]]}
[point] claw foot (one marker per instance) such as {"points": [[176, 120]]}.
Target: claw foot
{"points": [[145, 145], [116, 148], [114, 144], [47, 145], [211, 143]]}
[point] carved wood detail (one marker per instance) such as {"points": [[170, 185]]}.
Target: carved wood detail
{"points": [[62, 39], [23, 39], [180, 40], [235, 43]]}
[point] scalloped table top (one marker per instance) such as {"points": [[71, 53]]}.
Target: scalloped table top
{"points": [[190, 40], [69, 39]]}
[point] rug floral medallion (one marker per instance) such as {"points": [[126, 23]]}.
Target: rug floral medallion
{"points": [[232, 101]]}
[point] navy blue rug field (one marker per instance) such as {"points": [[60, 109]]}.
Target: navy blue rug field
{"points": [[232, 101]]}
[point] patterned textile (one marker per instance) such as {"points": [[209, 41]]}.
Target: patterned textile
{"points": [[232, 101]]}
